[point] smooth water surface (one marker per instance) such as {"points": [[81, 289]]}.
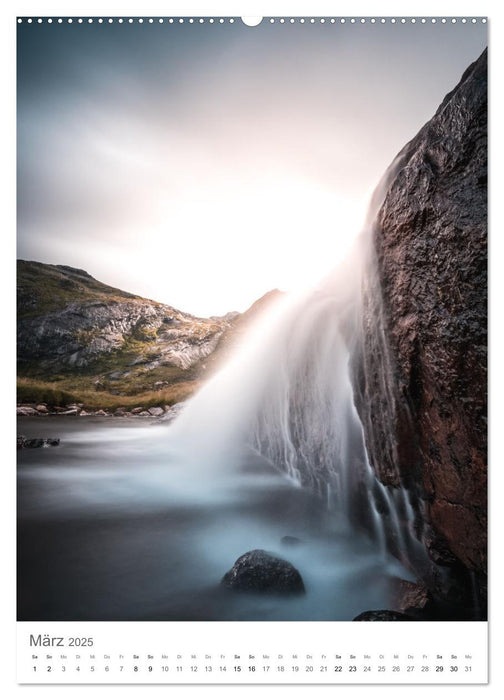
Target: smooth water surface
{"points": [[115, 524]]}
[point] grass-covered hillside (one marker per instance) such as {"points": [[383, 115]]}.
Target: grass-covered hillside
{"points": [[80, 340], [43, 288]]}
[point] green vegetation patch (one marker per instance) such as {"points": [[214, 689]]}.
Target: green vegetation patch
{"points": [[43, 288], [30, 391], [51, 393]]}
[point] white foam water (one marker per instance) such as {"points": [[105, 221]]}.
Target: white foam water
{"points": [[288, 393], [142, 522]]}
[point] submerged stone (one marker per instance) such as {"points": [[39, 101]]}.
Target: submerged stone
{"points": [[261, 571], [31, 443]]}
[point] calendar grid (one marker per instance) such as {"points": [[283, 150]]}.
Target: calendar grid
{"points": [[316, 653]]}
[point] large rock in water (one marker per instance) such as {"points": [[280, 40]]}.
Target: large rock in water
{"points": [[420, 372], [258, 570], [382, 616]]}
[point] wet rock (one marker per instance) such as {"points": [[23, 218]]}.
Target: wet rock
{"points": [[382, 616], [100, 412], [411, 598], [42, 408], [424, 327], [261, 571], [290, 541], [31, 443], [137, 410]]}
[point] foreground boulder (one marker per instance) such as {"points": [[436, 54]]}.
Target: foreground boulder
{"points": [[261, 571]]}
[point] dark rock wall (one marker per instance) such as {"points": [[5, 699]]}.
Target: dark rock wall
{"points": [[420, 365]]}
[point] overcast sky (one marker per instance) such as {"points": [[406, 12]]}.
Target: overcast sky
{"points": [[202, 165]]}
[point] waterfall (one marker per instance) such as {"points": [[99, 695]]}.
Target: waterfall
{"points": [[288, 394]]}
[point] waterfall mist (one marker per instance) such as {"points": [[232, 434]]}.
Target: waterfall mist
{"points": [[288, 394], [270, 451]]}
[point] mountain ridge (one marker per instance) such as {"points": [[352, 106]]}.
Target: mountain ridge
{"points": [[106, 346]]}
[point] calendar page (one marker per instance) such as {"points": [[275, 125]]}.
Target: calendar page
{"points": [[251, 349]]}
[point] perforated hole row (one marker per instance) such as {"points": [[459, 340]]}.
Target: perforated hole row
{"points": [[272, 20]]}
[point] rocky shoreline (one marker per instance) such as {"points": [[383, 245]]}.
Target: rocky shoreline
{"points": [[165, 412], [160, 413]]}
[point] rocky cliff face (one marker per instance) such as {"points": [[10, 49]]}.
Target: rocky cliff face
{"points": [[70, 322], [78, 335], [420, 371]]}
